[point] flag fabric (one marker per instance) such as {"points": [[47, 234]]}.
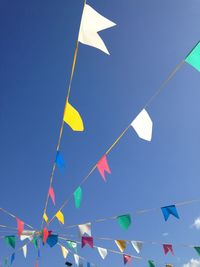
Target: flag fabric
{"points": [[169, 210], [24, 248], [10, 240], [85, 229], [87, 240], [65, 252], [127, 258], [78, 197], [168, 248], [45, 235], [121, 244], [76, 259], [137, 245], [60, 217], [60, 161], [12, 258], [52, 195], [72, 245], [68, 263], [52, 240], [35, 242], [88, 264], [124, 221], [193, 58], [20, 226], [151, 263], [103, 167], [197, 250], [27, 234], [91, 23], [143, 125], [168, 265], [45, 217], [102, 252], [73, 118]]}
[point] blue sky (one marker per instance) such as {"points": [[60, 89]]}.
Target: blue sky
{"points": [[36, 51]]}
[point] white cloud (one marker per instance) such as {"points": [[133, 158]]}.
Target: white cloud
{"points": [[192, 263], [196, 223]]}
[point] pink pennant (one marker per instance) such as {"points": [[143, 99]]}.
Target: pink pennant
{"points": [[87, 240], [168, 248], [45, 235], [52, 195], [20, 226], [127, 258], [103, 167]]}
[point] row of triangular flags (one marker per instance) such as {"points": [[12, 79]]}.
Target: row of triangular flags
{"points": [[123, 220]]}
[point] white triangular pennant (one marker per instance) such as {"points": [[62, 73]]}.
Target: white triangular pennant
{"points": [[64, 252], [24, 248], [103, 252], [143, 125], [137, 245], [76, 258], [85, 229], [27, 234], [91, 23]]}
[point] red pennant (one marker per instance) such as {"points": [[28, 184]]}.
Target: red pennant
{"points": [[20, 226], [52, 195], [168, 248], [45, 235], [36, 264], [103, 167], [87, 240], [127, 258]]}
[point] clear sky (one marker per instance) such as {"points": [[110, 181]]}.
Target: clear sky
{"points": [[36, 50]]}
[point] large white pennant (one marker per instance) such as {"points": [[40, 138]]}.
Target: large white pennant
{"points": [[91, 23], [103, 252]]}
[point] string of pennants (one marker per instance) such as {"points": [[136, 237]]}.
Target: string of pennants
{"points": [[142, 124], [88, 240], [91, 23]]}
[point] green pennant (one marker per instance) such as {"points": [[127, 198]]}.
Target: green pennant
{"points": [[35, 242], [72, 245], [78, 197], [193, 58], [124, 221], [10, 240], [151, 263], [197, 250]]}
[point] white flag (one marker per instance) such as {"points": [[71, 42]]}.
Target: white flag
{"points": [[27, 234], [103, 252], [85, 229], [137, 245], [24, 248], [143, 125], [64, 252], [91, 23], [76, 258]]}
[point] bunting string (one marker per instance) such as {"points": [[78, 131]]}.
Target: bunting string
{"points": [[163, 85], [138, 212], [62, 124], [13, 216]]}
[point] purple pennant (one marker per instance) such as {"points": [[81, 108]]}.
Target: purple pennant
{"points": [[87, 240]]}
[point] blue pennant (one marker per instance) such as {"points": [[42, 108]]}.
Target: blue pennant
{"points": [[169, 210]]}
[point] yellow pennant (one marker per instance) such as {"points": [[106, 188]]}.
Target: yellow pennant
{"points": [[64, 252], [121, 244], [60, 217], [45, 217], [73, 118]]}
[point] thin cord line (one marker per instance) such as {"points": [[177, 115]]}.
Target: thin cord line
{"points": [[137, 212], [62, 124], [13, 216], [160, 89]]}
